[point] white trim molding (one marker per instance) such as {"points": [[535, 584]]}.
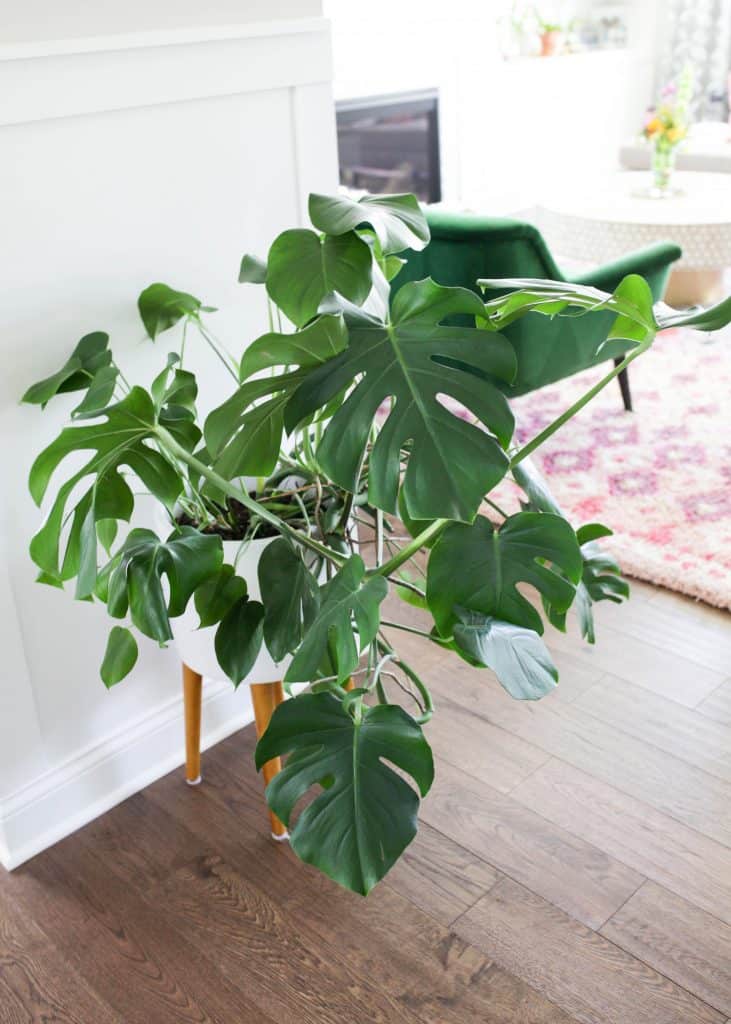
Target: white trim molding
{"points": [[87, 76], [66, 797]]}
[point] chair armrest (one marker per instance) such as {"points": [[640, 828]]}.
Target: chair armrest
{"points": [[647, 262]]}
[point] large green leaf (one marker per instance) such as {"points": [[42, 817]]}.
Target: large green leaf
{"points": [[302, 269], [365, 816], [413, 361], [90, 356], [479, 567], [117, 441], [187, 559], [162, 307], [290, 594], [349, 602], [244, 434], [398, 220], [518, 656]]}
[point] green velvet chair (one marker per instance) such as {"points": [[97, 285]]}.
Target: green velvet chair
{"points": [[465, 247]]}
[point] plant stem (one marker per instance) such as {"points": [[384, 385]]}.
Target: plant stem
{"points": [[214, 347], [239, 494], [432, 530], [539, 439], [406, 629]]}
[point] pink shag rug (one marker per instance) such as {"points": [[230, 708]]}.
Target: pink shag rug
{"points": [[660, 477]]}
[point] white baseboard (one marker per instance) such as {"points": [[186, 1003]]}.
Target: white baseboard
{"points": [[70, 795]]}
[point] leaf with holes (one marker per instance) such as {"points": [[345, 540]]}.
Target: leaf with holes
{"points": [[116, 442], [244, 434], [365, 816], [397, 220], [412, 360], [90, 357], [187, 559], [492, 562], [303, 268]]}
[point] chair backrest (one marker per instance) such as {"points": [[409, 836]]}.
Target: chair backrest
{"points": [[465, 247]]}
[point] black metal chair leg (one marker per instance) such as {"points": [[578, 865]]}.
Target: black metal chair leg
{"points": [[623, 379]]}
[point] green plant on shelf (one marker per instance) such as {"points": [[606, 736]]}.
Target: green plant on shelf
{"points": [[341, 422]]}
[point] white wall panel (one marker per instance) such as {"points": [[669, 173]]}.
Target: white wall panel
{"points": [[95, 204]]}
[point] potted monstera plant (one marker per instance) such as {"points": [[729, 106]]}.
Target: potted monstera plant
{"points": [[335, 425]]}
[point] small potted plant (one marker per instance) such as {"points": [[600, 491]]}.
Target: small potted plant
{"points": [[371, 406], [666, 125], [550, 34]]}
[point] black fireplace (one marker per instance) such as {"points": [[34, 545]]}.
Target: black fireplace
{"points": [[391, 144]]}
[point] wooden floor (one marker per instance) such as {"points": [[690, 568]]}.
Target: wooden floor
{"points": [[574, 864]]}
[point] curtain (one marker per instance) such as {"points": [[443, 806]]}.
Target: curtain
{"points": [[698, 32]]}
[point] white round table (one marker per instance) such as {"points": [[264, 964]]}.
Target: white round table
{"points": [[612, 216]]}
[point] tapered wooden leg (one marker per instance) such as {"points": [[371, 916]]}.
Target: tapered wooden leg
{"points": [[265, 697], [192, 699]]}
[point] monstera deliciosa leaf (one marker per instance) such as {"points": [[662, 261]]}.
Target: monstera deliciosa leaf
{"points": [[304, 268], [118, 441], [365, 816], [601, 578], [479, 567], [244, 435], [349, 596], [518, 656], [412, 361], [291, 597], [397, 220], [186, 559], [162, 307]]}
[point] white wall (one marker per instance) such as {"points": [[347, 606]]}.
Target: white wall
{"points": [[148, 159], [32, 20], [510, 130]]}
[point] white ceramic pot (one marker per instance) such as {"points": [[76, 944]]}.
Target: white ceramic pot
{"points": [[196, 646]]}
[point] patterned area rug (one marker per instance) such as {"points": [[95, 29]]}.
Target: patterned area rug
{"points": [[660, 476]]}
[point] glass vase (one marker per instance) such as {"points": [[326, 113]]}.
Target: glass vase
{"points": [[663, 165]]}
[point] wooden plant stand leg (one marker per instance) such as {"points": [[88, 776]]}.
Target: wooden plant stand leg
{"points": [[192, 699], [265, 697]]}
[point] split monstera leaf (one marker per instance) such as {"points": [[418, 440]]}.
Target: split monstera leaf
{"points": [[361, 400]]}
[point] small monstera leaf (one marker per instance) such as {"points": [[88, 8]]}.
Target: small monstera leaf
{"points": [[413, 361], [518, 656], [120, 656], [601, 578], [398, 221], [349, 599], [290, 594], [244, 435], [479, 567], [87, 369], [116, 442], [174, 392], [187, 559], [239, 638], [162, 307], [365, 816], [304, 268]]}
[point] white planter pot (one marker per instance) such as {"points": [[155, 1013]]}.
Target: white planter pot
{"points": [[196, 646]]}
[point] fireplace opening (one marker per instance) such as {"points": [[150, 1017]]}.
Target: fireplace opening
{"points": [[391, 144]]}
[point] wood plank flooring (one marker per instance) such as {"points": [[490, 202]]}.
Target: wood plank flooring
{"points": [[573, 865]]}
